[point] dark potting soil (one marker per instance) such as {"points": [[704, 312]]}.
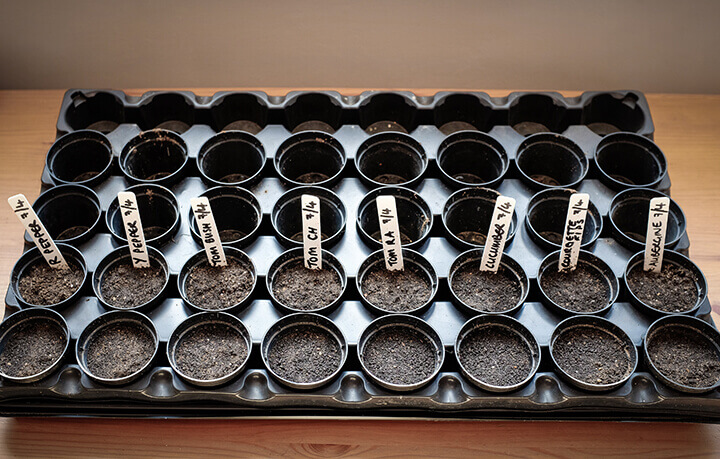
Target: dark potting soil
{"points": [[582, 290], [151, 232], [304, 354], [126, 287], [118, 350], [485, 291], [306, 289], [454, 126], [400, 355], [86, 175], [230, 235], [496, 356], [312, 177], [72, 232], [390, 179], [233, 178], [385, 126], [685, 356], [545, 180], [527, 128], [43, 285], [32, 348], [210, 351], [673, 289], [472, 237], [592, 355], [468, 177], [396, 291], [215, 288]]}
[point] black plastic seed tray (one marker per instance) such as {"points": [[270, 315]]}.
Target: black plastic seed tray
{"points": [[340, 141]]}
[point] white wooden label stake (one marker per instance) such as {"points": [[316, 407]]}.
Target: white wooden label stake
{"points": [[208, 231], [390, 233], [310, 210], [27, 216], [133, 229], [656, 231], [573, 233], [497, 234]]}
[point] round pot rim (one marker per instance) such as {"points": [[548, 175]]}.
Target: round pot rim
{"points": [[69, 138], [222, 137], [632, 138], [46, 196], [557, 139], [234, 192], [149, 135], [310, 136], [165, 193], [504, 321], [475, 136], [395, 137]]}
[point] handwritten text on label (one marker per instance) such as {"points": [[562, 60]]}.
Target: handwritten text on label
{"points": [[656, 232], [133, 229], [497, 234], [310, 209], [390, 233], [573, 233], [208, 231], [27, 216]]}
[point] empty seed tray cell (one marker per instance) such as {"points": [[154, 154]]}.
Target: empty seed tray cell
{"points": [[264, 335]]}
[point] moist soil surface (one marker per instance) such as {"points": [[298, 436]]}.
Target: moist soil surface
{"points": [[304, 354], [486, 291], [545, 180], [312, 177], [496, 356], [216, 288], [582, 290], [119, 349], [210, 351], [400, 355], [396, 291], [685, 356], [592, 355], [43, 285], [527, 128], [151, 232], [230, 235], [72, 232], [390, 179], [304, 289], [126, 287], [32, 348], [86, 175], [673, 289], [472, 237]]}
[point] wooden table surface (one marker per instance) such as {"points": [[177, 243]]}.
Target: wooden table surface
{"points": [[687, 130]]}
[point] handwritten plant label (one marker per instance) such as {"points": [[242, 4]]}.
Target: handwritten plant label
{"points": [[573, 233], [497, 234], [656, 231], [27, 216], [133, 229], [390, 233], [310, 210], [208, 231]]}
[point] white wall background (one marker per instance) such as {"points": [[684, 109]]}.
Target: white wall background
{"points": [[653, 46]]}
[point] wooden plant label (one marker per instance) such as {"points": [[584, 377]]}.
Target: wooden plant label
{"points": [[27, 216], [656, 231], [390, 233], [497, 234], [133, 229], [310, 210], [208, 231], [573, 233]]}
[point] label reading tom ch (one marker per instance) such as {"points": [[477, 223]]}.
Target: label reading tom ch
{"points": [[497, 234], [312, 236], [573, 233], [390, 233], [209, 233], [27, 216], [656, 232]]}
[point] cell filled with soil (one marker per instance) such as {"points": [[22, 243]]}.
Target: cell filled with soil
{"points": [[593, 354], [483, 291], [117, 347], [304, 350], [391, 158], [409, 290], [415, 218], [297, 288], [310, 157], [472, 159], [672, 290], [32, 344], [119, 285], [216, 288], [684, 352], [588, 289], [81, 157], [209, 349], [35, 283], [467, 215], [231, 158], [551, 160], [156, 156], [400, 352], [497, 353]]}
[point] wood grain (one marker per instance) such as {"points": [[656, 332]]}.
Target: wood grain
{"points": [[686, 127]]}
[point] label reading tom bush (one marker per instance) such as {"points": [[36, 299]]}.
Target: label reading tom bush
{"points": [[573, 233], [656, 231], [27, 216], [497, 234], [133, 229], [390, 233], [208, 231]]}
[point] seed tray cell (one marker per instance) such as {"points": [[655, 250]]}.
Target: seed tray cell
{"points": [[340, 129]]}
